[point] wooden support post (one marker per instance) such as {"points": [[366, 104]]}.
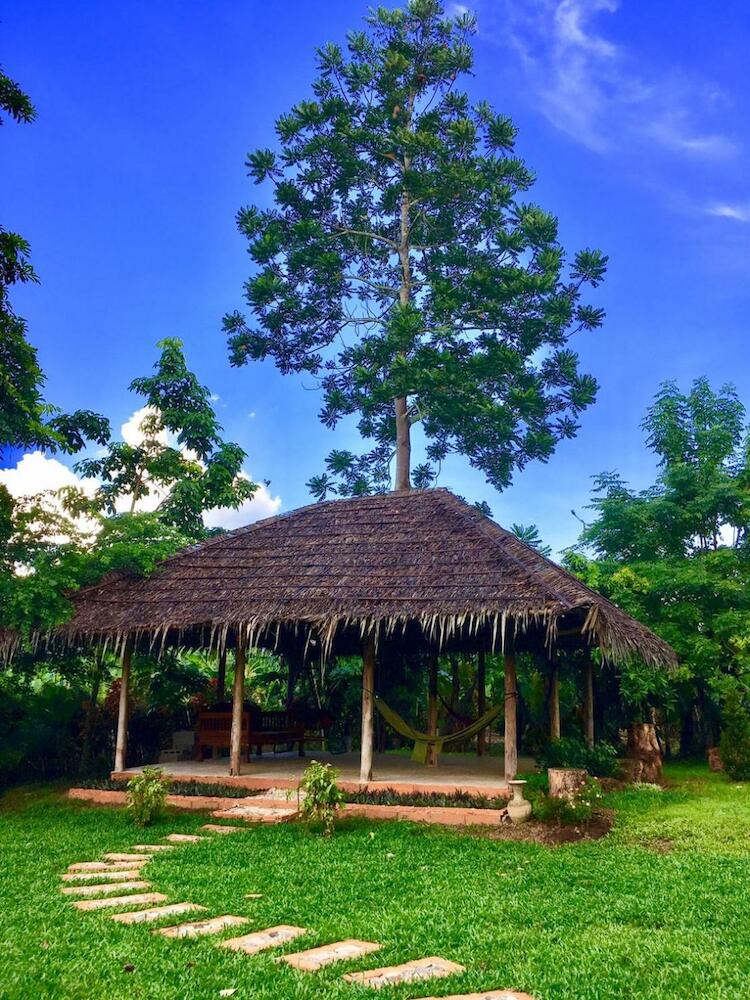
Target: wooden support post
{"points": [[432, 705], [589, 702], [481, 700], [511, 705], [238, 705], [121, 745], [368, 690], [221, 676], [554, 701]]}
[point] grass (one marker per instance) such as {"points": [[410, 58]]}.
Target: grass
{"points": [[658, 910]]}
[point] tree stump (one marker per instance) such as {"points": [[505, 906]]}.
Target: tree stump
{"points": [[564, 782], [715, 762], [644, 754]]}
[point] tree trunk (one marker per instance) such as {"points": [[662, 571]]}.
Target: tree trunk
{"points": [[589, 702], [238, 706], [432, 706], [403, 444], [368, 684], [221, 676], [481, 700], [564, 782], [121, 745], [554, 701], [643, 753], [511, 703]]}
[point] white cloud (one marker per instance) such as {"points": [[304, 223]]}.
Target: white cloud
{"points": [[738, 212], [35, 475], [598, 92], [261, 504]]}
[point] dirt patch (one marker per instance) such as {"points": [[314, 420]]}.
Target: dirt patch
{"points": [[662, 845], [548, 833]]}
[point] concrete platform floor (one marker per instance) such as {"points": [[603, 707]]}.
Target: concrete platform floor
{"points": [[454, 772]]}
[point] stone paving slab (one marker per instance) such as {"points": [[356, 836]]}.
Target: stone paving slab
{"points": [[490, 995], [106, 889], [272, 937], [196, 928], [421, 968], [110, 901], [258, 814], [184, 838], [156, 913], [123, 856], [153, 848], [340, 951], [120, 875], [102, 866], [218, 828]]}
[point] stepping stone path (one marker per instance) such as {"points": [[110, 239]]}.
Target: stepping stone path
{"points": [[110, 901], [102, 890], [120, 871], [258, 814], [422, 968], [155, 912], [199, 927], [316, 958], [120, 875], [260, 940]]}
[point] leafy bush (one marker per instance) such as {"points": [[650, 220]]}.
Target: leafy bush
{"points": [[389, 797], [215, 789], [322, 797], [576, 811], [735, 739], [147, 795], [570, 751]]}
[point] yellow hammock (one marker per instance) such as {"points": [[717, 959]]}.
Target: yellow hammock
{"points": [[422, 741]]}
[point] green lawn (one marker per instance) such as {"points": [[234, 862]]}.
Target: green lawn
{"points": [[659, 909]]}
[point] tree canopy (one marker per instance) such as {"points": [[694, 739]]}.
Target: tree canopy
{"points": [[400, 264]]}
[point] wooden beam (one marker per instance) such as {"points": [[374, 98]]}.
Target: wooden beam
{"points": [[511, 706], [368, 690], [588, 705], [238, 704], [554, 701], [221, 676], [121, 744], [432, 704], [481, 699]]}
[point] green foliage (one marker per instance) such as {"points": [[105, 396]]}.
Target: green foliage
{"points": [[402, 265], [322, 796], [147, 795], [529, 533], [735, 739], [192, 788], [578, 810], [571, 751], [389, 797]]}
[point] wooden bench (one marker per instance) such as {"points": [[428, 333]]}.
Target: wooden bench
{"points": [[259, 729]]}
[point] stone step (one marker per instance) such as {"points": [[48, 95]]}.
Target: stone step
{"points": [[258, 814], [120, 875], [421, 968], [218, 828], [156, 913], [101, 866], [339, 951], [153, 848], [184, 838], [272, 937], [490, 995], [106, 889], [138, 898], [196, 928], [122, 856]]}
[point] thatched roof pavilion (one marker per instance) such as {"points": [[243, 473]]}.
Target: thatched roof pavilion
{"points": [[420, 567]]}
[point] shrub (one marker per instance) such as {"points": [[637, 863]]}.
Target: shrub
{"points": [[576, 811], [570, 751], [322, 797], [147, 795], [735, 739]]}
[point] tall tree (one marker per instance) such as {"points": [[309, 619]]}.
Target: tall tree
{"points": [[194, 472], [25, 419], [400, 266]]}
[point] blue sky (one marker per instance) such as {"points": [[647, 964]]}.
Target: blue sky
{"points": [[634, 117]]}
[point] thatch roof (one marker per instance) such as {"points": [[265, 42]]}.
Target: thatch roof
{"points": [[422, 558]]}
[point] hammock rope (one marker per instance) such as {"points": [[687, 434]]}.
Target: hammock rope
{"points": [[423, 741]]}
